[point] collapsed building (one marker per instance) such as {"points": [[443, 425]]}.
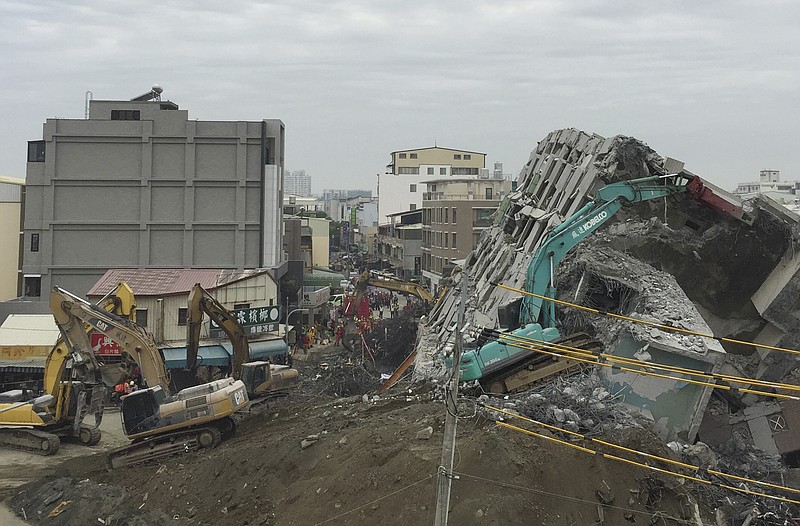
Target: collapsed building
{"points": [[671, 261]]}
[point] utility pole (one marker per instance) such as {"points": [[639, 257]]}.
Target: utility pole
{"points": [[445, 479]]}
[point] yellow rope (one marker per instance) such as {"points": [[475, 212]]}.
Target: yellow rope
{"points": [[644, 454]]}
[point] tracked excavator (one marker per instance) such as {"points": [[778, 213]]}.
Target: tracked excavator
{"points": [[158, 422], [500, 367], [259, 377], [367, 279], [72, 391]]}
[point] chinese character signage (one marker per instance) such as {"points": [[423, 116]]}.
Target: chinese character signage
{"points": [[255, 320], [102, 345]]}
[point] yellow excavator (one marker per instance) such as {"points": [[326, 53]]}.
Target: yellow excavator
{"points": [[72, 391], [259, 377], [367, 279], [158, 422]]}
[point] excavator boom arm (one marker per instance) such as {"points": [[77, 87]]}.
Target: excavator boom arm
{"points": [[200, 303], [71, 311]]}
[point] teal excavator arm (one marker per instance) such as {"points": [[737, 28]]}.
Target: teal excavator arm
{"points": [[537, 320], [607, 202]]}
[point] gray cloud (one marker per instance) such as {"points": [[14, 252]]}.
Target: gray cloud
{"points": [[714, 83]]}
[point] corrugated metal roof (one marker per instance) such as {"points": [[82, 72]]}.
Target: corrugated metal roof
{"points": [[29, 330], [27, 365], [166, 281]]}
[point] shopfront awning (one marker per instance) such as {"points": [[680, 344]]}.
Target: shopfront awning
{"points": [[25, 365], [263, 349], [217, 355]]}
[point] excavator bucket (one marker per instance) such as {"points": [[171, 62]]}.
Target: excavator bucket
{"points": [[113, 374]]}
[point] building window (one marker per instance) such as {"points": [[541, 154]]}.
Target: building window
{"points": [[33, 286], [454, 216], [455, 245], [482, 217], [413, 156], [125, 115], [401, 155], [430, 170], [412, 188], [446, 240], [489, 193], [34, 242], [467, 157], [413, 206], [442, 171], [241, 306], [464, 171], [35, 151], [408, 170], [457, 156], [182, 316], [141, 317], [433, 188]]}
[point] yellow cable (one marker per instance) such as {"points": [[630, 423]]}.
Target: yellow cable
{"points": [[633, 451], [656, 375], [648, 323]]}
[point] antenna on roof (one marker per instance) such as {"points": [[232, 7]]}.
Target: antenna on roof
{"points": [[153, 94]]}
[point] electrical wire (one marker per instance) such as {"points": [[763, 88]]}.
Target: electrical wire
{"points": [[461, 475], [668, 328], [357, 508], [604, 360], [643, 454]]}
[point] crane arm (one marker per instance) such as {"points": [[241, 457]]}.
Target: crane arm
{"points": [[397, 285]]}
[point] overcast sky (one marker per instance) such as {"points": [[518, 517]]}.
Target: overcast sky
{"points": [[713, 83]]}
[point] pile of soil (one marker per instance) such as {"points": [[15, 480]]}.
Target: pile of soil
{"points": [[313, 459]]}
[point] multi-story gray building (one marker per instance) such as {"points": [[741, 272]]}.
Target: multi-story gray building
{"points": [[138, 184]]}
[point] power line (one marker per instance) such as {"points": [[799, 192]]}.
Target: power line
{"points": [[605, 360], [568, 498], [344, 514], [696, 469], [668, 328]]}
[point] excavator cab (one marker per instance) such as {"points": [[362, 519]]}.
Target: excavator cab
{"points": [[263, 377], [140, 410]]}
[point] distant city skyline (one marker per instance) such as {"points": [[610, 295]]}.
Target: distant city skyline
{"points": [[714, 84]]}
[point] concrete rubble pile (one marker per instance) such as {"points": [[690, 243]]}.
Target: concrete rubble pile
{"points": [[670, 261]]}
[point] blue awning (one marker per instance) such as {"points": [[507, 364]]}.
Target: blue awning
{"points": [[263, 349], [175, 358]]}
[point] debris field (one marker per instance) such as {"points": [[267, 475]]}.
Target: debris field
{"points": [[334, 452]]}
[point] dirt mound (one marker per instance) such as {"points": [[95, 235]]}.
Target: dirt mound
{"points": [[350, 461]]}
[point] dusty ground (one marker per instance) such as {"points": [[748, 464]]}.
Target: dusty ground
{"points": [[372, 462]]}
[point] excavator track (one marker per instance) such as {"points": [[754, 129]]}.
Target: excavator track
{"points": [[536, 367], [30, 440], [89, 436], [162, 446]]}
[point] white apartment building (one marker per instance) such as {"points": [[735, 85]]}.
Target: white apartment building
{"points": [[297, 183], [401, 187]]}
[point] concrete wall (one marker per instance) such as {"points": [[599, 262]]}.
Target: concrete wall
{"points": [[163, 191], [9, 255]]}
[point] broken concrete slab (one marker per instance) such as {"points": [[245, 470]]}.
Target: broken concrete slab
{"points": [[718, 262]]}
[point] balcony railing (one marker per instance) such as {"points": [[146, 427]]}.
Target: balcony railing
{"points": [[440, 196]]}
